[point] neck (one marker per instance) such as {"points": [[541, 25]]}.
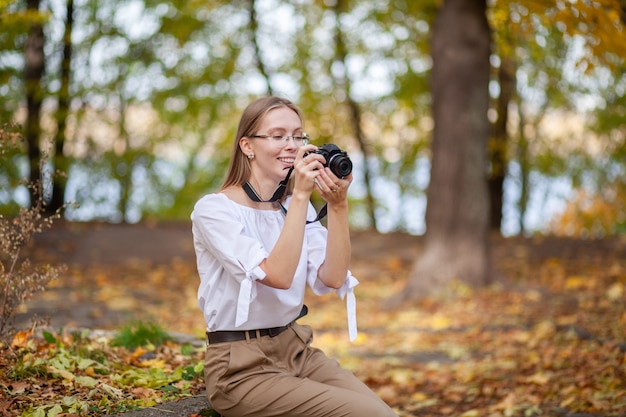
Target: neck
{"points": [[257, 192], [264, 195]]}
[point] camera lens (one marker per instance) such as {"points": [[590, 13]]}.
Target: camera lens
{"points": [[340, 165]]}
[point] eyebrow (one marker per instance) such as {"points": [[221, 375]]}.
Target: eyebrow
{"points": [[282, 129]]}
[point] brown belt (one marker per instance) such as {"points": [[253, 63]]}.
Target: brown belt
{"points": [[222, 336]]}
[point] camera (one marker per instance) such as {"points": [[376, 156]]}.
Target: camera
{"points": [[336, 159]]}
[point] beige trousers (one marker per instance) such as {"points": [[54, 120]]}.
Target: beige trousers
{"points": [[284, 376]]}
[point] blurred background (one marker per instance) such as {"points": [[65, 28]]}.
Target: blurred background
{"points": [[137, 102]]}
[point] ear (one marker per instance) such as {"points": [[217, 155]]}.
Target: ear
{"points": [[245, 146]]}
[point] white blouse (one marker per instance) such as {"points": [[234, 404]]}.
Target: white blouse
{"points": [[230, 242]]}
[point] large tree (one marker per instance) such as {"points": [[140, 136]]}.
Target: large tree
{"points": [[456, 245]]}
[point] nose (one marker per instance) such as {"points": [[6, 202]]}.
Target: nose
{"points": [[290, 142]]}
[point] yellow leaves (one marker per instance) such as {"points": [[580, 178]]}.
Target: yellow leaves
{"points": [[568, 401], [137, 353], [86, 381], [501, 351], [65, 374], [139, 357], [567, 320], [20, 340], [153, 363], [419, 397], [539, 378], [615, 292], [402, 377], [439, 322], [90, 371], [577, 282], [422, 400], [594, 214], [544, 330], [361, 339], [514, 404]]}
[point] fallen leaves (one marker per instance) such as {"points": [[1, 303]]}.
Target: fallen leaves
{"points": [[550, 342], [553, 343]]}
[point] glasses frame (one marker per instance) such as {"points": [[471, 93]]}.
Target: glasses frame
{"points": [[284, 139]]}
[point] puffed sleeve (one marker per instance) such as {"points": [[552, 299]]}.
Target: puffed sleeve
{"points": [[316, 244], [217, 229]]}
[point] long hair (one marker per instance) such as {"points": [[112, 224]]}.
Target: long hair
{"points": [[239, 168]]}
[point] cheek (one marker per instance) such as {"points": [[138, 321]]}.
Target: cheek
{"points": [[268, 154]]}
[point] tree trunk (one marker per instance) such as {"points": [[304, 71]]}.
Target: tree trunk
{"points": [[456, 245], [257, 48], [524, 167], [60, 160], [499, 143], [355, 113], [34, 65], [124, 166]]}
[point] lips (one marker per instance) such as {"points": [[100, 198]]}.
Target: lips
{"points": [[288, 160]]}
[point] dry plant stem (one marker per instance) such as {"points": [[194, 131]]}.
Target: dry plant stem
{"points": [[21, 281]]}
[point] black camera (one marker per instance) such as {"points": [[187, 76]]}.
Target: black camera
{"points": [[336, 159]]}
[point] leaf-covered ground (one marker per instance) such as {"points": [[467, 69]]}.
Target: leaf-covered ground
{"points": [[549, 340]]}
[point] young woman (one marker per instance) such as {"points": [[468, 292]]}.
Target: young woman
{"points": [[256, 251]]}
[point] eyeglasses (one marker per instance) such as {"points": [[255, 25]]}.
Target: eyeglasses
{"points": [[280, 141]]}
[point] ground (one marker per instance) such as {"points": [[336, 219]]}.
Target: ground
{"points": [[96, 247], [121, 272], [104, 247]]}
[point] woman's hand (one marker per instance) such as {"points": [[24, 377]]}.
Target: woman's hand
{"points": [[311, 173], [332, 188], [306, 167]]}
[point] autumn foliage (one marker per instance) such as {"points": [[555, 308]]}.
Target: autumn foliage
{"points": [[548, 340]]}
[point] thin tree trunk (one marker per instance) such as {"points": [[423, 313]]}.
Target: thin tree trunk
{"points": [[524, 167], [125, 166], [60, 160], [34, 66], [355, 114], [257, 49], [499, 144]]}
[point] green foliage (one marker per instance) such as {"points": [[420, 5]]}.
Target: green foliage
{"points": [[112, 380], [152, 119], [11, 175], [139, 334]]}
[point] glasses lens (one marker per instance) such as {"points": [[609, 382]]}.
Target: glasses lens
{"points": [[278, 141], [282, 141]]}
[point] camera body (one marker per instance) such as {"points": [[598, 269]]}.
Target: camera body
{"points": [[336, 159]]}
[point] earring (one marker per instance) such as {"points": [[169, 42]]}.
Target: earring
{"points": [[250, 155]]}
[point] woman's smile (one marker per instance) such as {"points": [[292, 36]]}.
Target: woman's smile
{"points": [[287, 160]]}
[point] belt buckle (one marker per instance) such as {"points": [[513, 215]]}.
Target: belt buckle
{"points": [[275, 331]]}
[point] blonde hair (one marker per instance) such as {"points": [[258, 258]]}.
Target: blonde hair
{"points": [[239, 168]]}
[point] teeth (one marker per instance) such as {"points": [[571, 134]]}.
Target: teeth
{"points": [[287, 160]]}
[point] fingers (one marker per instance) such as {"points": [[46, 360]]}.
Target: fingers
{"points": [[328, 184], [306, 168], [312, 170]]}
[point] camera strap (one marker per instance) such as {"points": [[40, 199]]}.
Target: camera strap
{"points": [[278, 194]]}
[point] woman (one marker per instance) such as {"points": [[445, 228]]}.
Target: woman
{"points": [[256, 252]]}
